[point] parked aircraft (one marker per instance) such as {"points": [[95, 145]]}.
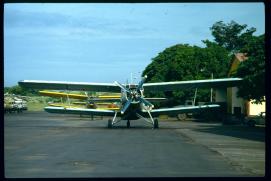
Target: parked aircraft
{"points": [[97, 102], [133, 103], [108, 102]]}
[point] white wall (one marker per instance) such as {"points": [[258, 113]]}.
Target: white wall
{"points": [[221, 95], [256, 109]]}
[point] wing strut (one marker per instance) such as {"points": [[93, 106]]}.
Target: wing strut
{"points": [[151, 121], [142, 117], [68, 99], [114, 118]]}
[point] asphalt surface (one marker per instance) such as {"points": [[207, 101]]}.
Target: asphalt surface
{"points": [[43, 145]]}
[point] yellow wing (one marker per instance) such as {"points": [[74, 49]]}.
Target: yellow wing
{"points": [[76, 96], [61, 94]]}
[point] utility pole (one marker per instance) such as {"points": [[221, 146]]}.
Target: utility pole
{"points": [[211, 98]]}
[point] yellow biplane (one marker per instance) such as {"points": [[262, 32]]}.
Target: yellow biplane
{"points": [[99, 102]]}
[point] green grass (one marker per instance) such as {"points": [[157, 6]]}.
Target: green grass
{"points": [[35, 106]]}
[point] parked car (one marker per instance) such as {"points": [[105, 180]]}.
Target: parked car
{"points": [[184, 116], [255, 120]]}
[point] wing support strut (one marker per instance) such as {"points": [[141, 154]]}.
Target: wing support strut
{"points": [[151, 121], [68, 99], [114, 118]]}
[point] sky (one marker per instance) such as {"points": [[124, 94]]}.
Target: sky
{"points": [[107, 42]]}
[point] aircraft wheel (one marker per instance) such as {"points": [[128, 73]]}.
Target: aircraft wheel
{"points": [[109, 123], [128, 123], [156, 125], [182, 117]]}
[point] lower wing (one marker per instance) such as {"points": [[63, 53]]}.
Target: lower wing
{"points": [[179, 110], [68, 110]]}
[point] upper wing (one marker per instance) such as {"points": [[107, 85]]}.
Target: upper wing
{"points": [[179, 110], [61, 94], [208, 83], [67, 110], [63, 85]]}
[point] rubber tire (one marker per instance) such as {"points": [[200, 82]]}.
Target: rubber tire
{"points": [[128, 123], [182, 117], [109, 125], [156, 124]]}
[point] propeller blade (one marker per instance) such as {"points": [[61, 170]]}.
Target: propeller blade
{"points": [[147, 103], [125, 107], [121, 86], [140, 84]]}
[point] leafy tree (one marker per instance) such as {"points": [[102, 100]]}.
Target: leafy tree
{"points": [[183, 62], [18, 90], [236, 38], [232, 36], [253, 70]]}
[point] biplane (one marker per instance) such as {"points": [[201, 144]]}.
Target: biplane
{"points": [[134, 105], [94, 102]]}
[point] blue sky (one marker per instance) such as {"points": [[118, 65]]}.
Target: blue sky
{"points": [[106, 42]]}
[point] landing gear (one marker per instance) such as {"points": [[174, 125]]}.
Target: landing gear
{"points": [[182, 117], [109, 125], [155, 125], [128, 123]]}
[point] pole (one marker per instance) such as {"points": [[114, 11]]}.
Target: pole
{"points": [[211, 98], [194, 102]]}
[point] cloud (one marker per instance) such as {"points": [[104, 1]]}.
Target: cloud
{"points": [[29, 23], [18, 18]]}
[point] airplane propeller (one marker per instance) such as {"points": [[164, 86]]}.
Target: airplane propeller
{"points": [[122, 87], [147, 103], [134, 95], [140, 84], [125, 107]]}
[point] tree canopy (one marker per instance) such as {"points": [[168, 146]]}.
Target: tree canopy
{"points": [[253, 70], [232, 36], [18, 90], [185, 62], [236, 38]]}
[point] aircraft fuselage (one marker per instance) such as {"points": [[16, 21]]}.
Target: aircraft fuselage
{"points": [[135, 106]]}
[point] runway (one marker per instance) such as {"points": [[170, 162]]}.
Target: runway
{"points": [[43, 145]]}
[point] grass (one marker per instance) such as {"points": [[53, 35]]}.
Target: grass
{"points": [[35, 106]]}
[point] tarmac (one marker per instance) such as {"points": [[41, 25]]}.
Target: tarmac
{"points": [[43, 145]]}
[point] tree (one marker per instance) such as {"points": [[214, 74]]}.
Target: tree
{"points": [[18, 90], [237, 38], [253, 70], [184, 62], [232, 36]]}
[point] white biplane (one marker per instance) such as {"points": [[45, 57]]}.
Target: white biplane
{"points": [[133, 103]]}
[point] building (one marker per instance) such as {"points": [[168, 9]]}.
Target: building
{"points": [[237, 105]]}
